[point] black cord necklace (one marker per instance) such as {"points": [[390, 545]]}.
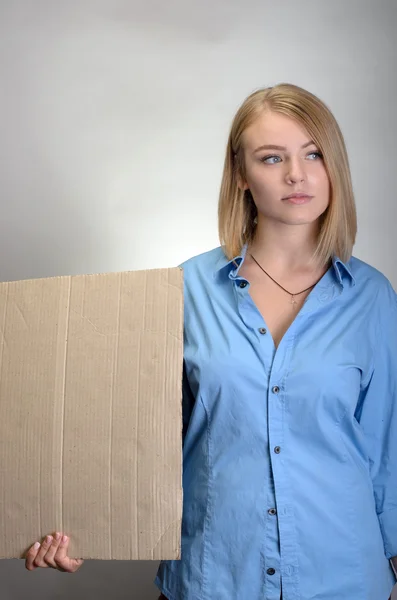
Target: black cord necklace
{"points": [[293, 301]]}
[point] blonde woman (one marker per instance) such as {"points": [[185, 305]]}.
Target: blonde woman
{"points": [[290, 378]]}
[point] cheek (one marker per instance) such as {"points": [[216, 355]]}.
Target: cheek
{"points": [[320, 180], [262, 182], [326, 189]]}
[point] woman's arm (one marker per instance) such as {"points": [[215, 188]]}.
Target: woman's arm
{"points": [[377, 415]]}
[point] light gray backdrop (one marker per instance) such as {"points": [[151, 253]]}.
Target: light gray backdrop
{"points": [[113, 123]]}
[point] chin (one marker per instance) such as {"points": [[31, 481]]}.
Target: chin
{"points": [[299, 219], [304, 213]]}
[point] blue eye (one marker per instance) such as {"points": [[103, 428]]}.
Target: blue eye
{"points": [[316, 154], [269, 159], [266, 158]]}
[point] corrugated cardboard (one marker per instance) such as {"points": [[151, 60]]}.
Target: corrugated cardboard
{"points": [[90, 413]]}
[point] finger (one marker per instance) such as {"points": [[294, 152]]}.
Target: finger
{"points": [[31, 555], [62, 560], [49, 556], [45, 545]]}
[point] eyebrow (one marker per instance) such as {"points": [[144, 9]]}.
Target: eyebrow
{"points": [[274, 147]]}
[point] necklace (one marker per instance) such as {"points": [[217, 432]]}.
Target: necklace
{"points": [[293, 301]]}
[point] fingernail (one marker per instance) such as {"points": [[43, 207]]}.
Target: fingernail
{"points": [[48, 539], [64, 539], [36, 546], [57, 536]]}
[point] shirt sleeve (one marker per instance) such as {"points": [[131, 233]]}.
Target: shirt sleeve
{"points": [[378, 418]]}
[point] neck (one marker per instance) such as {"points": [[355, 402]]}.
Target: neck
{"points": [[283, 247]]}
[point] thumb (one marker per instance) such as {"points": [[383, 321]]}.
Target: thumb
{"points": [[63, 561]]}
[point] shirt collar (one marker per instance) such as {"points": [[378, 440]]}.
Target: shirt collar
{"points": [[341, 268]]}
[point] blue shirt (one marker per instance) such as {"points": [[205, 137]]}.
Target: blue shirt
{"points": [[289, 454]]}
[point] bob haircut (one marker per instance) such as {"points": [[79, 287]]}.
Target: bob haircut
{"points": [[236, 209]]}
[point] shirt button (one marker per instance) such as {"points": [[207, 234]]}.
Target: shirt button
{"points": [[262, 330], [243, 284], [272, 511], [277, 449], [275, 389], [271, 571]]}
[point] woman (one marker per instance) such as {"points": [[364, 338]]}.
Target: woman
{"points": [[290, 379]]}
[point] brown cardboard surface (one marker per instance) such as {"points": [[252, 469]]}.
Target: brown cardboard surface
{"points": [[90, 413]]}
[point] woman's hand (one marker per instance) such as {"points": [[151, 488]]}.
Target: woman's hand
{"points": [[52, 553]]}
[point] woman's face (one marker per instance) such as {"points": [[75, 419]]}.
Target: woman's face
{"points": [[273, 173]]}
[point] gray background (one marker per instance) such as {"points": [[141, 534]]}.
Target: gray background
{"points": [[113, 123]]}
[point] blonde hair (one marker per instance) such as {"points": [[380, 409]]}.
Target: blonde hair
{"points": [[236, 210]]}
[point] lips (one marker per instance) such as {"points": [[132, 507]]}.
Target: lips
{"points": [[298, 198], [297, 195]]}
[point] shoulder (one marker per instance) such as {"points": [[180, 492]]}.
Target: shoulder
{"points": [[200, 275], [204, 263], [373, 282]]}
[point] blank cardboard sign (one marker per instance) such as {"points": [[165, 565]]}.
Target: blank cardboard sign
{"points": [[90, 413]]}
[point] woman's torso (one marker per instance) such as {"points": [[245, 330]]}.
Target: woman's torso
{"points": [[276, 473]]}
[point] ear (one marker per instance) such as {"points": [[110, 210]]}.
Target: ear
{"points": [[241, 183]]}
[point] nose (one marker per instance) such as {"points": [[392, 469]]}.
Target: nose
{"points": [[295, 171]]}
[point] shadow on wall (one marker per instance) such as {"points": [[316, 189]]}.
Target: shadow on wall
{"points": [[96, 580]]}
